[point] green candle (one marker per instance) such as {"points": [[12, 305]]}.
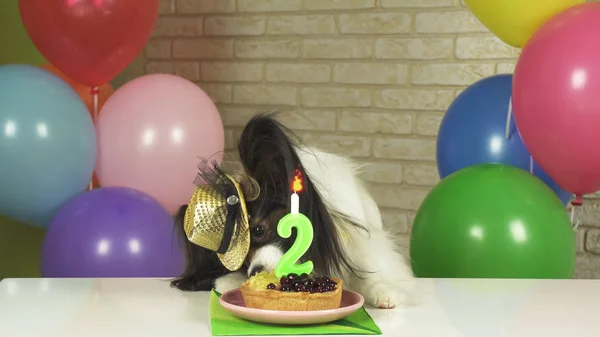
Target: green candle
{"points": [[287, 263]]}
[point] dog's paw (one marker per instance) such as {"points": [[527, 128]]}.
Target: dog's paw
{"points": [[385, 296], [229, 281]]}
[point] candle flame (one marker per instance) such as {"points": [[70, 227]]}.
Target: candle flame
{"points": [[297, 183]]}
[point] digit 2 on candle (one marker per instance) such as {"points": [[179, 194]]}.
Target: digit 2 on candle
{"points": [[287, 263], [304, 236]]}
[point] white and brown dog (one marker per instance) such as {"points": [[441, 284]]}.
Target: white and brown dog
{"points": [[349, 239]]}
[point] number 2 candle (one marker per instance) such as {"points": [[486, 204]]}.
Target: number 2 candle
{"points": [[304, 235]]}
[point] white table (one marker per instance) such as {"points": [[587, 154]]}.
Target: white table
{"points": [[439, 308]]}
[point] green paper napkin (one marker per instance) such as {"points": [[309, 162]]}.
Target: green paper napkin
{"points": [[223, 323]]}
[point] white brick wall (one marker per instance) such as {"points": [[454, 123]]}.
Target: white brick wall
{"points": [[366, 78]]}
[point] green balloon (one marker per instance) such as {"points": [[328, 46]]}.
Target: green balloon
{"points": [[492, 221]]}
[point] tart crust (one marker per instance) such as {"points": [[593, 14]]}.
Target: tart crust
{"points": [[268, 299]]}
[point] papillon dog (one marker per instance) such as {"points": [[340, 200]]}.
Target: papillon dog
{"points": [[349, 242]]}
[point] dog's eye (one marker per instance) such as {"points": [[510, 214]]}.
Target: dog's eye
{"points": [[258, 231]]}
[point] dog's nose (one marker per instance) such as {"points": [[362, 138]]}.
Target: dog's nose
{"points": [[255, 270]]}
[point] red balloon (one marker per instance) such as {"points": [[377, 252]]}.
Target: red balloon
{"points": [[91, 41]]}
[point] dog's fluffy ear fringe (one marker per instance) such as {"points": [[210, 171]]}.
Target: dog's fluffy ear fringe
{"points": [[202, 265]]}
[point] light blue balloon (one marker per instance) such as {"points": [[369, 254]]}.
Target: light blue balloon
{"points": [[47, 144]]}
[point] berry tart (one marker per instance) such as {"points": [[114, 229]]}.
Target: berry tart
{"points": [[292, 292]]}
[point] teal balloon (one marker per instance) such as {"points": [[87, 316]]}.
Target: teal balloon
{"points": [[492, 221], [47, 144]]}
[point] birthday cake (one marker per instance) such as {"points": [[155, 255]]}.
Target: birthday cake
{"points": [[289, 287], [291, 292]]}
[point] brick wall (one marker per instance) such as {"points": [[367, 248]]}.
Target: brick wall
{"points": [[366, 78]]}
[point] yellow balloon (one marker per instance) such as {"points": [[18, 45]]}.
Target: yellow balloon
{"points": [[515, 21]]}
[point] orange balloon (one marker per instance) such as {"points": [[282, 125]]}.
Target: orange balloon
{"points": [[95, 183], [85, 92]]}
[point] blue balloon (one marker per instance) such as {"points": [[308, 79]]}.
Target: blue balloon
{"points": [[47, 144], [473, 132]]}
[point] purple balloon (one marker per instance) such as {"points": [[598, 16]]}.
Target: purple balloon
{"points": [[112, 232]]}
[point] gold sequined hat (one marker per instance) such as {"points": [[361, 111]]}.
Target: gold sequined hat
{"points": [[217, 218]]}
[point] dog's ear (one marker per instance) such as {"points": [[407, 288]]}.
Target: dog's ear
{"points": [[202, 265], [268, 152]]}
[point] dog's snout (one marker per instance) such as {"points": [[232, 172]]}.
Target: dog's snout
{"points": [[255, 270]]}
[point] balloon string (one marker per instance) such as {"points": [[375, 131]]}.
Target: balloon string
{"points": [[94, 91], [530, 164], [575, 203], [575, 225], [508, 119]]}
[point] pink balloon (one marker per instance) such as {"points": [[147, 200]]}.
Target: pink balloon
{"points": [[556, 98], [153, 132]]}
